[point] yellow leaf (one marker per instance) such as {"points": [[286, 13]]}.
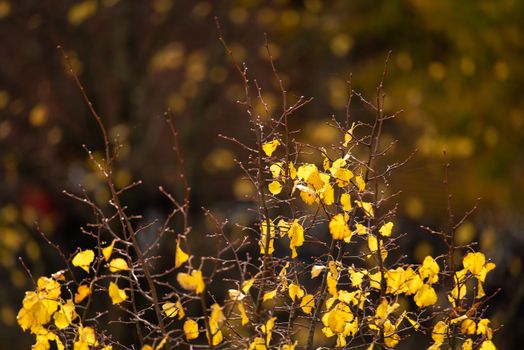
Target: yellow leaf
{"points": [[467, 345], [116, 294], [107, 251], [316, 270], [307, 303], [439, 332], [243, 315], [84, 259], [339, 228], [367, 207], [425, 296], [361, 229], [82, 292], [429, 269], [246, 286], [180, 256], [86, 338], [487, 345], [386, 229], [295, 291], [161, 344], [117, 265], [191, 329], [292, 171], [145, 347], [361, 184], [345, 200], [66, 315], [275, 187], [468, 326], [193, 282], [269, 295], [296, 235], [270, 147], [173, 309], [474, 262], [276, 169]]}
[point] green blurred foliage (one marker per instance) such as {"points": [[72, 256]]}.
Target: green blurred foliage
{"points": [[456, 71]]}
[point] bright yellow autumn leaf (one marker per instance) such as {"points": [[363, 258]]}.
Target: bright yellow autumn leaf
{"points": [[339, 228], [345, 200], [275, 187], [386, 229], [295, 291], [467, 345], [270, 147], [246, 286], [116, 294], [82, 292], [429, 270], [86, 338], [307, 303], [107, 251], [425, 296], [174, 309], [487, 345], [65, 315], [270, 295], [84, 259], [117, 265], [180, 256], [439, 332], [316, 270], [192, 282], [367, 207], [191, 329], [361, 184]]}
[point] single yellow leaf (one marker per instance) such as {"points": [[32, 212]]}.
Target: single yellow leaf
{"points": [[270, 295], [275, 187], [295, 291], [116, 294], [107, 251], [243, 314], [180, 256], [84, 259], [117, 265], [386, 229], [425, 296], [246, 286], [82, 292], [270, 147], [316, 270], [345, 200], [191, 329], [307, 303]]}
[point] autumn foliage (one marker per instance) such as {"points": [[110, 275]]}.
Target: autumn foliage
{"points": [[319, 268]]}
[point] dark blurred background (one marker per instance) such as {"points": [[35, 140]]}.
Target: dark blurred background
{"points": [[456, 70]]}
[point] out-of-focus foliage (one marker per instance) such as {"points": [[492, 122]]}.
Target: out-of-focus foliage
{"points": [[455, 70]]}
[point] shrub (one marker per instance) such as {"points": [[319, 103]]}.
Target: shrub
{"points": [[322, 266]]}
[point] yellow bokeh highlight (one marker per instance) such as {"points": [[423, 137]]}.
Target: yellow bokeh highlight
{"points": [[414, 207], [437, 70], [5, 8], [243, 189], [38, 115], [220, 159], [82, 11], [465, 233], [169, 57]]}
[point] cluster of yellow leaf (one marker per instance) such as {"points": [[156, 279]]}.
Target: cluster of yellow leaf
{"points": [[85, 258], [44, 305]]}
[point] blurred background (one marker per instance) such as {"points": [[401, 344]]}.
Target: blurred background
{"points": [[456, 71]]}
